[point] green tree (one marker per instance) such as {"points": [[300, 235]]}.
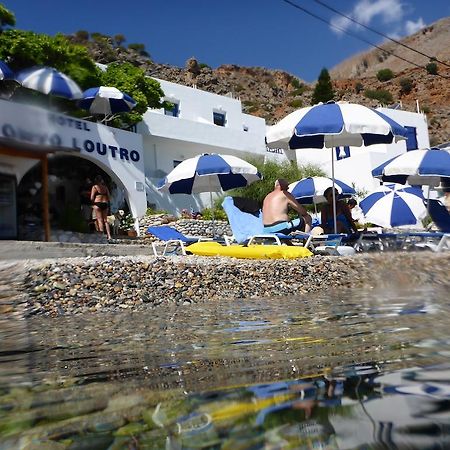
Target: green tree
{"points": [[406, 85], [271, 171], [432, 68], [323, 91], [7, 18], [139, 48], [144, 90], [119, 39], [385, 75], [82, 36], [384, 97], [24, 49]]}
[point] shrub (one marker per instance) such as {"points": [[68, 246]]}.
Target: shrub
{"points": [[432, 68], [297, 103], [271, 171], [426, 109], [406, 85], [295, 82], [381, 95], [385, 75], [359, 87], [299, 91], [219, 213]]}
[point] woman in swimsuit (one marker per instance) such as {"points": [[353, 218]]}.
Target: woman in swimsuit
{"points": [[100, 200]]}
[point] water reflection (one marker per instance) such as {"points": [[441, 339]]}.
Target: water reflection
{"points": [[349, 369]]}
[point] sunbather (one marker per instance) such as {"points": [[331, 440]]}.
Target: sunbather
{"points": [[344, 220], [275, 211]]}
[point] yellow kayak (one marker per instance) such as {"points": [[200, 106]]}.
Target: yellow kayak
{"points": [[252, 251]]}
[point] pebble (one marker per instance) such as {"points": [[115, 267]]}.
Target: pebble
{"points": [[114, 283]]}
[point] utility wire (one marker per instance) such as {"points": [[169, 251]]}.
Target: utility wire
{"points": [[381, 34], [357, 37]]}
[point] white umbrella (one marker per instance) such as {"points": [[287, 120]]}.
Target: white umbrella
{"points": [[49, 81], [394, 205], [310, 190], [106, 100], [332, 125], [209, 173], [416, 167], [5, 72]]}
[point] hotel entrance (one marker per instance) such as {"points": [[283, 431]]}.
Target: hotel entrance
{"points": [[46, 157], [68, 211]]}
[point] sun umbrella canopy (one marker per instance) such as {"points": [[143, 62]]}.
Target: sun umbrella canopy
{"points": [[5, 72], [209, 173], [333, 125], [416, 167], [106, 100], [310, 190], [394, 205], [49, 81]]}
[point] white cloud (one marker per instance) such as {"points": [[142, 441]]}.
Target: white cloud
{"points": [[411, 27], [389, 11]]}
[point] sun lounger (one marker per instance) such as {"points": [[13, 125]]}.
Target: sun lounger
{"points": [[249, 229], [172, 239], [439, 214]]}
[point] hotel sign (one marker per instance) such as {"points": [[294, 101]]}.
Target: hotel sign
{"points": [[41, 128], [118, 152]]}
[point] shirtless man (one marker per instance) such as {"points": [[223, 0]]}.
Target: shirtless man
{"points": [[275, 211]]}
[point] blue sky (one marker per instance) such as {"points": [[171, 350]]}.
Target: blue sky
{"points": [[264, 33]]}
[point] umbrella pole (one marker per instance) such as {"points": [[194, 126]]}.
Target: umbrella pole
{"points": [[333, 191], [212, 208]]}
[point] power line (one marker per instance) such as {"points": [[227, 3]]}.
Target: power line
{"points": [[357, 37], [380, 34]]}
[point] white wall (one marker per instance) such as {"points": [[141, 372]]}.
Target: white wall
{"points": [[167, 139]]}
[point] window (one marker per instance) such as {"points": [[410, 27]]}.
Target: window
{"points": [[172, 111], [411, 139], [175, 163], [219, 119]]}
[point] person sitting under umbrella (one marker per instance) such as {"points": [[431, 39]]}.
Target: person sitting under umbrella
{"points": [[344, 220], [275, 211]]}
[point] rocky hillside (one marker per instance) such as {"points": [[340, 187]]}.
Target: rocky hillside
{"points": [[433, 40], [272, 94]]}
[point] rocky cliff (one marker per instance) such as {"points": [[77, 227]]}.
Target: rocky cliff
{"points": [[272, 94]]}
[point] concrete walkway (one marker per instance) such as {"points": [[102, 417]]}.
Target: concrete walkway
{"points": [[17, 250]]}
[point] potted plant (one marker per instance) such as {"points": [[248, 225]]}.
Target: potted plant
{"points": [[126, 223]]}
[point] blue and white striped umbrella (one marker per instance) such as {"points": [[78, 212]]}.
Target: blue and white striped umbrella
{"points": [[416, 167], [106, 100], [49, 81], [310, 190], [394, 205], [5, 72], [209, 173], [330, 125], [333, 125]]}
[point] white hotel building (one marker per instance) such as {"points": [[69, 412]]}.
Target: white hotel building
{"points": [[200, 122]]}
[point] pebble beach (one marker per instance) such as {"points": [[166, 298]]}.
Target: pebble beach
{"points": [[80, 285]]}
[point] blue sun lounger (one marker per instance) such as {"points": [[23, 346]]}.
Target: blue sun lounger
{"points": [[172, 239], [249, 229]]}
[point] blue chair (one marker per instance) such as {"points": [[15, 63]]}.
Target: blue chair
{"points": [[439, 214], [249, 229], [172, 239]]}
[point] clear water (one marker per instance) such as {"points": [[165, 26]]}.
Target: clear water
{"points": [[347, 369]]}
